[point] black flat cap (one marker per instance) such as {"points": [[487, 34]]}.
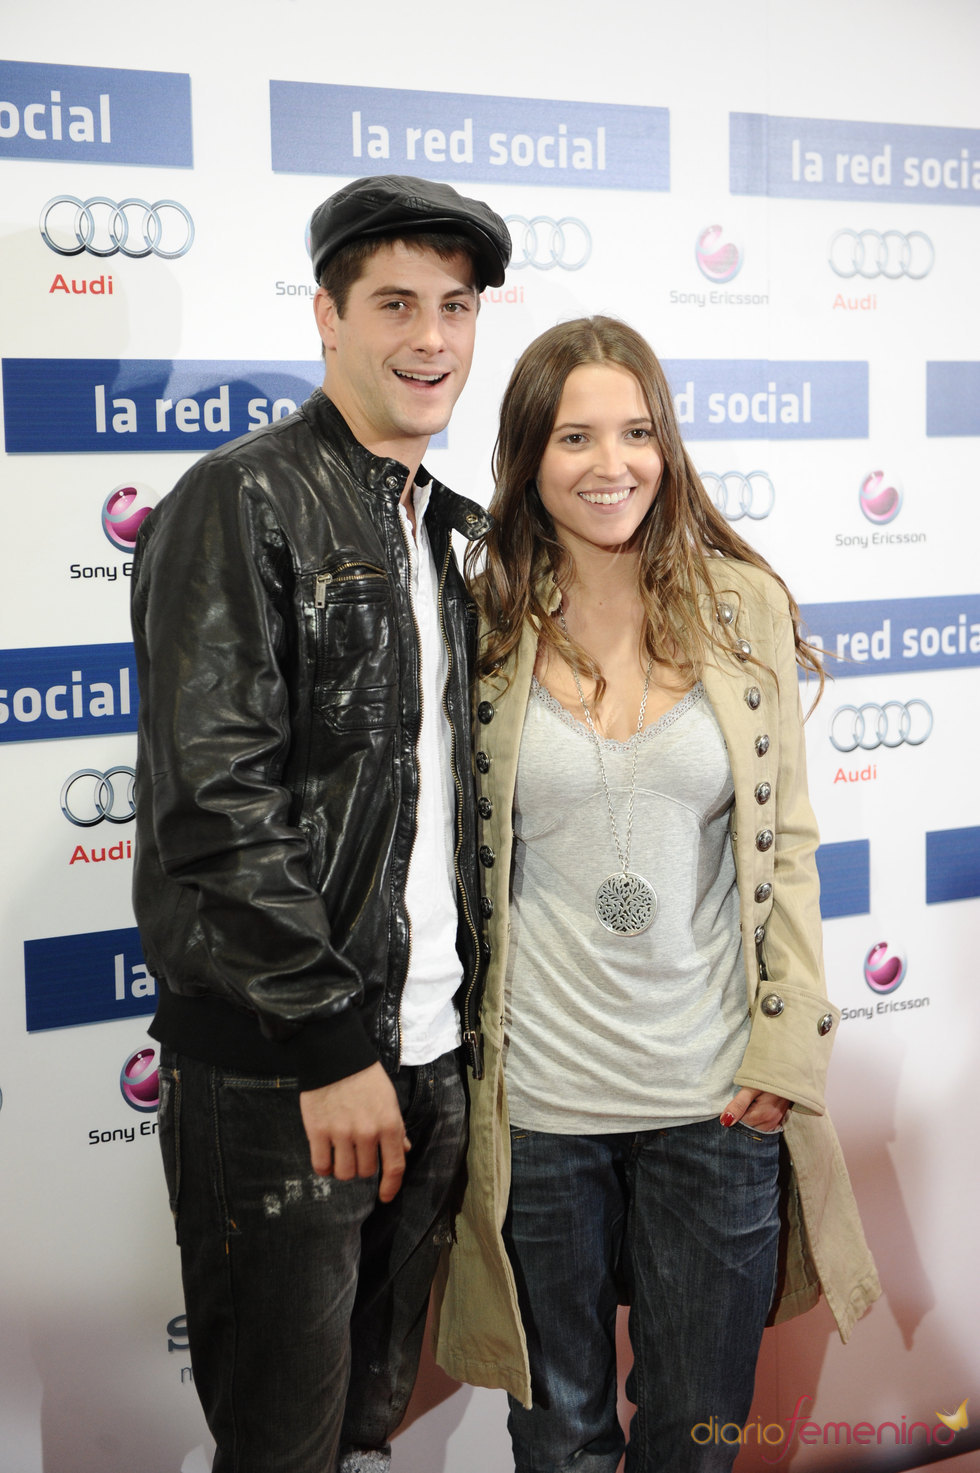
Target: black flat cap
{"points": [[398, 204]]}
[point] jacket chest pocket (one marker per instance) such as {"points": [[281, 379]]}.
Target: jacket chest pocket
{"points": [[356, 686]]}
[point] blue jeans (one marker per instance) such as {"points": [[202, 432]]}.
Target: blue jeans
{"points": [[684, 1224], [306, 1297]]}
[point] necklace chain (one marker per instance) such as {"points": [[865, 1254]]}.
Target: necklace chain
{"points": [[623, 853]]}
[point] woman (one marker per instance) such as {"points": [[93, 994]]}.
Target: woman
{"points": [[655, 1018]]}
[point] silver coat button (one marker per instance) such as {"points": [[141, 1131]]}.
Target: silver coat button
{"points": [[762, 744], [753, 698], [743, 649], [772, 1005], [726, 613], [764, 840], [763, 793], [760, 935], [762, 892], [393, 482], [825, 1024]]}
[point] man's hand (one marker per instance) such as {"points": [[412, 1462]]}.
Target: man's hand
{"points": [[349, 1122]]}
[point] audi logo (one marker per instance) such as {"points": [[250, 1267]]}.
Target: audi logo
{"points": [[869, 254], [545, 243], [736, 495], [870, 726], [102, 227], [89, 796]]}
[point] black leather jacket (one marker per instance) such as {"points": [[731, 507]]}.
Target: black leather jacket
{"points": [[277, 654]]}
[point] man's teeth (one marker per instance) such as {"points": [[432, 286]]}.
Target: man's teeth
{"points": [[606, 498], [422, 378]]}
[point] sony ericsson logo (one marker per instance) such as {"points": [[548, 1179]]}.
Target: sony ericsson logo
{"points": [[884, 968], [124, 511], [719, 258], [139, 1081], [880, 497]]}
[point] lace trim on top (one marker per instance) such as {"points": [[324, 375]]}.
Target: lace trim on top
{"points": [[655, 728]]}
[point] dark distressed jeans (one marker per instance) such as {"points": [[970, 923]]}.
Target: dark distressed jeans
{"points": [[306, 1298], [686, 1220]]}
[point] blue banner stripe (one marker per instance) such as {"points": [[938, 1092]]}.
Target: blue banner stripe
{"points": [[838, 159], [67, 691], [128, 404], [845, 878], [95, 115], [458, 137], [897, 635], [89, 978], [952, 865], [952, 399], [769, 399]]}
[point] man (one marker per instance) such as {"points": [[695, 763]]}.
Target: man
{"points": [[304, 877]]}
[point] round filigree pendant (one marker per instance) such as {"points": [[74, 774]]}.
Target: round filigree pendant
{"points": [[626, 904]]}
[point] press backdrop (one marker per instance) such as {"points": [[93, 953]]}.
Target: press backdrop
{"points": [[783, 196]]}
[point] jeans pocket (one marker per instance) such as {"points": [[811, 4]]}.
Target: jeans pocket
{"points": [[168, 1130], [754, 1134]]}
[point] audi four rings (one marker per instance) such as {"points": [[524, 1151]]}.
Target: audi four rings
{"points": [[889, 725], [104, 227], [89, 796], [545, 243], [869, 254], [736, 495]]}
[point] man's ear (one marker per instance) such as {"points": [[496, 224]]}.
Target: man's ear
{"points": [[325, 312]]}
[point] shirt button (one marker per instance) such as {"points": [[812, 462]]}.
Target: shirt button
{"points": [[482, 762], [772, 1005], [486, 906], [485, 712], [753, 698], [487, 857], [762, 892], [764, 840], [484, 807]]}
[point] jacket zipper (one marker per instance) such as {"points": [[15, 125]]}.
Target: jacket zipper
{"points": [[471, 1035], [324, 580], [418, 779]]}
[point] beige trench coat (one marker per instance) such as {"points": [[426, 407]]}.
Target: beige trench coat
{"points": [[478, 1334]]}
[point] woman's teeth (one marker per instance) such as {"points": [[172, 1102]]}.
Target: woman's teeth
{"points": [[606, 498]]}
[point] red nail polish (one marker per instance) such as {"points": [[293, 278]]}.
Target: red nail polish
{"points": [[728, 1118]]}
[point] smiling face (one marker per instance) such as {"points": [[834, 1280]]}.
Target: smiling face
{"points": [[601, 467], [398, 358]]}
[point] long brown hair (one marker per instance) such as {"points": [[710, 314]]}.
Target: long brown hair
{"points": [[682, 533]]}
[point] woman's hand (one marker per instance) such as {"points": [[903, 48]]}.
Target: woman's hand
{"points": [[756, 1108]]}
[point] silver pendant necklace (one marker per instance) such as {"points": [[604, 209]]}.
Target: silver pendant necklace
{"points": [[625, 903]]}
